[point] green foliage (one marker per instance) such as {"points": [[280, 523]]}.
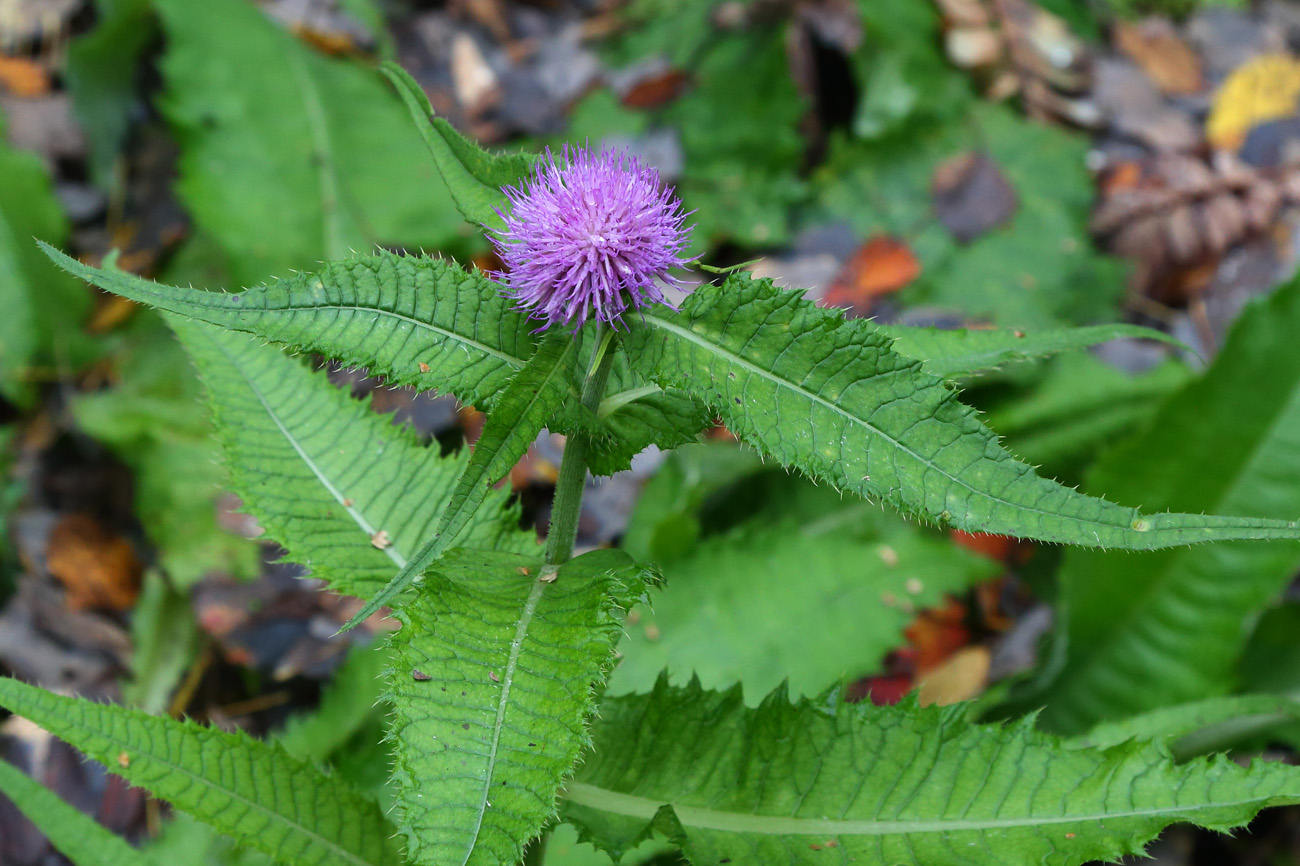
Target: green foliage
{"points": [[739, 127], [534, 395], [886, 785], [154, 421], [903, 76], [242, 787], [474, 177], [43, 309], [818, 591], [322, 473], [1039, 271], [495, 673], [953, 354], [348, 705], [1200, 727], [101, 78], [1156, 629], [826, 395], [288, 157], [75, 834], [1077, 405], [165, 642]]}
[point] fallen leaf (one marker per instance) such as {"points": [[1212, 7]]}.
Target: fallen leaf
{"points": [[1266, 88], [98, 567], [881, 265], [962, 677], [23, 77], [656, 90], [1167, 60], [972, 196], [936, 634]]}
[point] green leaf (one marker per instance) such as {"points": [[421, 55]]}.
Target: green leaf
{"points": [[826, 395], [349, 703], [1146, 631], [43, 309], [1077, 406], [812, 599], [165, 642], [289, 157], [954, 354], [154, 421], [880, 786], [242, 787], [1199, 727], [495, 673], [532, 397], [474, 176], [322, 473], [75, 834], [1039, 271], [101, 78], [669, 516], [386, 312]]}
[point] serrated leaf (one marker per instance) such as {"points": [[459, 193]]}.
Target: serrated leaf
{"points": [[474, 176], [242, 787], [827, 396], [386, 312], [1146, 631], [75, 834], [533, 396], [337, 166], [495, 673], [43, 310], [882, 786], [811, 599], [322, 473], [952, 354]]}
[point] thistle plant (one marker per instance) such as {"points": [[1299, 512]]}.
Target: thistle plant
{"points": [[500, 726]]}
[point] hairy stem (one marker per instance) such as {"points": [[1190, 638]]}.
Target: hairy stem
{"points": [[563, 531]]}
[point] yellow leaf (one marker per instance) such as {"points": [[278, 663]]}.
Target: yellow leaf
{"points": [[1266, 88]]}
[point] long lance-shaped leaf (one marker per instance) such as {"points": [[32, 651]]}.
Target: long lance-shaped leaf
{"points": [[827, 396], [531, 398], [1157, 629], [75, 834], [474, 176], [348, 494], [417, 320], [826, 781], [1199, 727], [241, 786], [956, 353], [495, 673]]}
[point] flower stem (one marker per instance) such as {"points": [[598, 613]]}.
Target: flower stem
{"points": [[563, 532]]}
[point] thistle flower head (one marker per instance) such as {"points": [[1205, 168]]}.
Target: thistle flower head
{"points": [[589, 235]]}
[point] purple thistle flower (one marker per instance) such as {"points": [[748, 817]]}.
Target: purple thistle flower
{"points": [[589, 235]]}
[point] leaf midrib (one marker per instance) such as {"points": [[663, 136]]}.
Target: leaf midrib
{"points": [[329, 188], [202, 781], [393, 553], [1224, 524], [700, 818], [507, 681], [716, 348]]}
